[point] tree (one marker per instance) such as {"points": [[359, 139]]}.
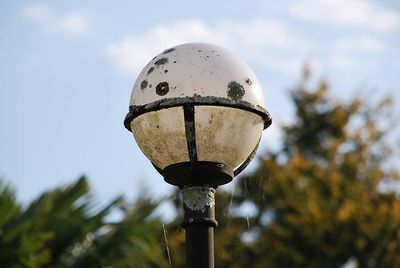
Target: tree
{"points": [[319, 199], [64, 228]]}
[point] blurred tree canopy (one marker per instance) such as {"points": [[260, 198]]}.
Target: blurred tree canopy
{"points": [[325, 198], [62, 228], [321, 200]]}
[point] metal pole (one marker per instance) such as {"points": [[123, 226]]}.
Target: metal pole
{"points": [[199, 222]]}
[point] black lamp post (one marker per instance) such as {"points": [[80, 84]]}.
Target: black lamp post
{"points": [[196, 112]]}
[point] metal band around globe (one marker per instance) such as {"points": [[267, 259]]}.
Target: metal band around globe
{"points": [[196, 100]]}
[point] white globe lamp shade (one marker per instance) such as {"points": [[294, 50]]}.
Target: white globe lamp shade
{"points": [[197, 113]]}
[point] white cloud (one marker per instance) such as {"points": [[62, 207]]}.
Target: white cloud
{"points": [[258, 40], [70, 24], [73, 24], [39, 13], [132, 52], [359, 44], [359, 13], [341, 62], [257, 32], [269, 44]]}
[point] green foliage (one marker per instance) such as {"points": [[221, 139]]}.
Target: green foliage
{"points": [[318, 200], [64, 228], [132, 242]]}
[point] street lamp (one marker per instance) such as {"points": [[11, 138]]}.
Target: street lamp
{"points": [[197, 113]]}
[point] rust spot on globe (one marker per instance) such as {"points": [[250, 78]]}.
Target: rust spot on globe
{"points": [[235, 90], [143, 85], [162, 88], [161, 61]]}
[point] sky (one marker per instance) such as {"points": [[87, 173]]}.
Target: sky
{"points": [[67, 69]]}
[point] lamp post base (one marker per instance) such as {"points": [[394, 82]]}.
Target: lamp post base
{"points": [[199, 223]]}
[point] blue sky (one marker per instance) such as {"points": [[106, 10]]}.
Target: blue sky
{"points": [[67, 69]]}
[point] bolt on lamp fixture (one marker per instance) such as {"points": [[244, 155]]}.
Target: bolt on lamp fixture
{"points": [[197, 113]]}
